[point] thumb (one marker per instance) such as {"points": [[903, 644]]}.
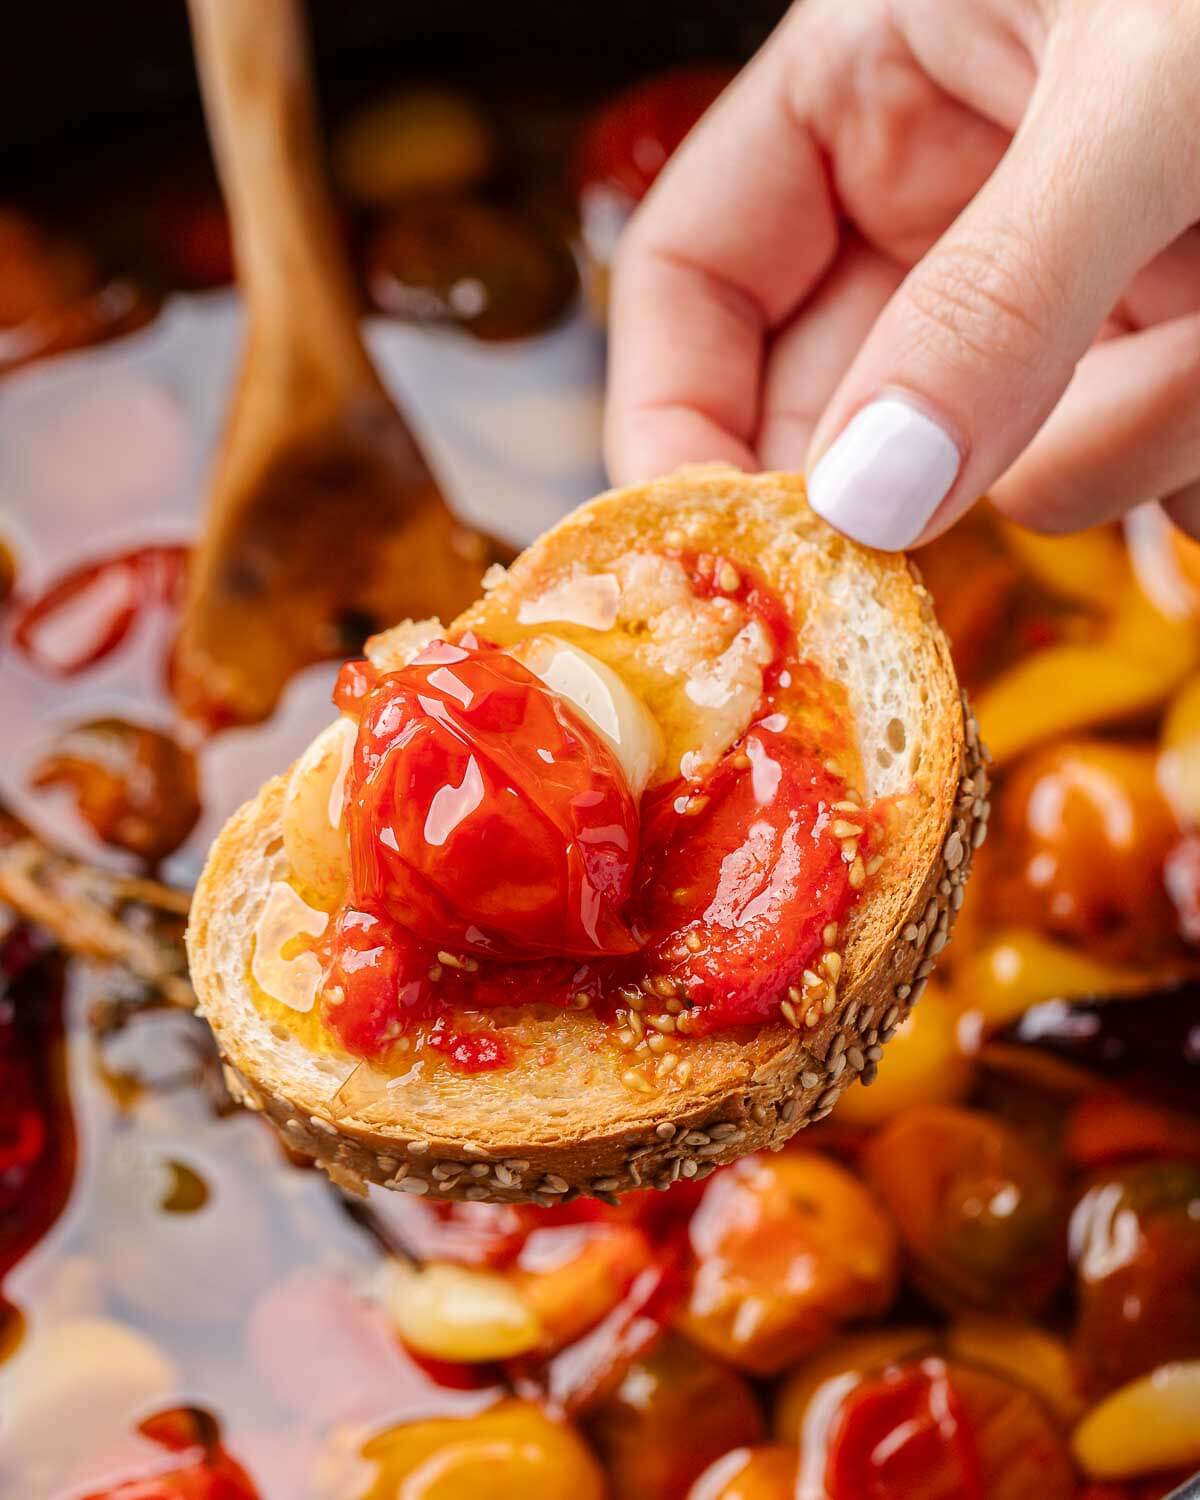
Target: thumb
{"points": [[970, 356]]}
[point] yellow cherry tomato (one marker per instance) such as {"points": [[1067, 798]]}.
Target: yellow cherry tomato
{"points": [[922, 1064], [765, 1472], [514, 1448], [1022, 1351], [1152, 1423]]}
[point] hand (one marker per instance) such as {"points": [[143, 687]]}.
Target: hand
{"points": [[924, 248]]}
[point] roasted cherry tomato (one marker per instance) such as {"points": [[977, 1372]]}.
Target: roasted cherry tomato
{"points": [[513, 1448], [628, 142], [135, 787], [1106, 1128], [572, 1275], [37, 1137], [786, 1249], [207, 1472], [468, 769], [735, 895], [647, 1432], [937, 1431], [1087, 830], [1135, 1245], [459, 260], [86, 614], [764, 1472], [978, 1209]]}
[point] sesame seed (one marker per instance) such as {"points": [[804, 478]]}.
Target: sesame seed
{"points": [[846, 807], [828, 1003], [475, 1194], [728, 578], [636, 1024], [725, 1131], [849, 850], [689, 1168], [656, 1043], [696, 1138], [684, 1071], [858, 875], [479, 1169], [830, 934], [810, 1080], [875, 864], [813, 1015], [842, 829], [831, 962], [553, 1184], [837, 1066], [665, 1131], [637, 1081], [625, 1036], [789, 1013], [667, 1066], [416, 1185], [452, 961], [662, 1023]]}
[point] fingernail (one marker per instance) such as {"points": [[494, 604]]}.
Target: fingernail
{"points": [[885, 475]]}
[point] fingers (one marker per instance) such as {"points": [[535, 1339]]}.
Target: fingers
{"points": [[733, 235], [1127, 430], [970, 357], [810, 356]]}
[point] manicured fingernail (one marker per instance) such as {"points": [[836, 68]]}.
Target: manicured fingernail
{"points": [[885, 475]]}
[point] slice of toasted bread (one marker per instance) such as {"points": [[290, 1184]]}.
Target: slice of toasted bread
{"points": [[561, 1120]]}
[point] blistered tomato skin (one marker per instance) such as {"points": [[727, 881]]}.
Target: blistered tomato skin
{"points": [[484, 816], [735, 896]]}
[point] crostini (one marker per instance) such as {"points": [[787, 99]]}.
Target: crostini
{"points": [[630, 870]]}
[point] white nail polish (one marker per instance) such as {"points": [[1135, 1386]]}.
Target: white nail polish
{"points": [[885, 475]]}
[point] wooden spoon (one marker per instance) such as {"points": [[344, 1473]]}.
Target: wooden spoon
{"points": [[324, 520]]}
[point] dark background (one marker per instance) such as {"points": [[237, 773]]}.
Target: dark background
{"points": [[66, 65]]}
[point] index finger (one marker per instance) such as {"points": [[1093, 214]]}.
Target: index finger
{"points": [[733, 236]]}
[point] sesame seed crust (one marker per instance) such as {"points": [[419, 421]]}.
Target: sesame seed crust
{"points": [[681, 1123]]}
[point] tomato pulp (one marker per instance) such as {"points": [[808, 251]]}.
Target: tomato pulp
{"points": [[498, 858]]}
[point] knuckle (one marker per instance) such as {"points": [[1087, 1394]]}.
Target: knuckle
{"points": [[985, 297]]}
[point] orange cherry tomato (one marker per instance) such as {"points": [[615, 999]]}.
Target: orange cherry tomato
{"points": [[787, 1248], [978, 1209], [764, 1472], [468, 768], [135, 787], [940, 1431], [647, 1433], [1106, 1128], [1086, 831]]}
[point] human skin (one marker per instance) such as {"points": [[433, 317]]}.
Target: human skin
{"points": [[924, 249]]}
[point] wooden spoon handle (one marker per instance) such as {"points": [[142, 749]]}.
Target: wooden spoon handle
{"points": [[255, 76]]}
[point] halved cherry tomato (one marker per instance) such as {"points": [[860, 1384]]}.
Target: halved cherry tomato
{"points": [[467, 770], [766, 1471]]}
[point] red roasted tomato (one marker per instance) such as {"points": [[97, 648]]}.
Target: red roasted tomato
{"points": [[466, 768]]}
